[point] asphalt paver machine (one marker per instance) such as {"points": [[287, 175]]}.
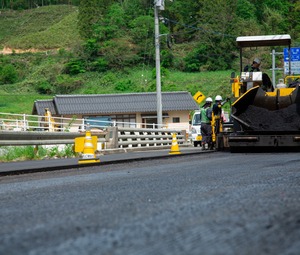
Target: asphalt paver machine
{"points": [[263, 120]]}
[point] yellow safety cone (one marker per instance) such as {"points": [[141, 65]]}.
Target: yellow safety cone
{"points": [[88, 154], [174, 147]]}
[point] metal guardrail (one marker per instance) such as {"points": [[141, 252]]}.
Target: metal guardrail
{"points": [[113, 138], [12, 138]]}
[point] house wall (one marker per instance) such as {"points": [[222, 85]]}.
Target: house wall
{"points": [[183, 117], [74, 124]]}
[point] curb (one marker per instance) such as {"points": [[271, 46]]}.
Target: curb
{"points": [[76, 166]]}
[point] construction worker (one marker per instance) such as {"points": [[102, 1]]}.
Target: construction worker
{"points": [[266, 82], [206, 116], [254, 67], [218, 114]]}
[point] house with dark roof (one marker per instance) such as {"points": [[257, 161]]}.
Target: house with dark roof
{"points": [[124, 109]]}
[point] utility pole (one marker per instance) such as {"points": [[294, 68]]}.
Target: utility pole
{"points": [[158, 5], [274, 53]]}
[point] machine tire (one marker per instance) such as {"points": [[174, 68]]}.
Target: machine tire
{"points": [[196, 144]]}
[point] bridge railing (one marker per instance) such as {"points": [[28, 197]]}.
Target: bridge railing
{"points": [[111, 138], [144, 138], [26, 122]]}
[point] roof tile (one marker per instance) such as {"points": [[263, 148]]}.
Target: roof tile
{"points": [[117, 103]]}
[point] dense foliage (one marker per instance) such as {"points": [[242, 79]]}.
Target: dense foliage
{"points": [[195, 35]]}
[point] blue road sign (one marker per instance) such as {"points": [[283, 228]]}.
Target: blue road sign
{"points": [[295, 60]]}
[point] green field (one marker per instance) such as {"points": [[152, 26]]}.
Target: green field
{"points": [[41, 28], [209, 83]]}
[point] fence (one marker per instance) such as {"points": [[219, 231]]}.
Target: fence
{"points": [[22, 129], [112, 138], [144, 138], [25, 122]]}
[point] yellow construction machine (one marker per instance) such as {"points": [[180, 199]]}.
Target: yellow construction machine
{"points": [[262, 120]]}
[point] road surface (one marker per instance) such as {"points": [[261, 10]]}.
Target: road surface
{"points": [[217, 203]]}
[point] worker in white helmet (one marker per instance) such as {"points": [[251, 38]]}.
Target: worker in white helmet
{"points": [[255, 67], [206, 116], [218, 114], [217, 106]]}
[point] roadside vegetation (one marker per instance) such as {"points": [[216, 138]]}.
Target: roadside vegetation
{"points": [[21, 153]]}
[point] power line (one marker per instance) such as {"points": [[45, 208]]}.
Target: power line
{"points": [[199, 29]]}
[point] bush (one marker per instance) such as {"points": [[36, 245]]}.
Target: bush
{"points": [[8, 74], [65, 84], [44, 88], [167, 59], [91, 47], [164, 72], [127, 85], [100, 65], [75, 66]]}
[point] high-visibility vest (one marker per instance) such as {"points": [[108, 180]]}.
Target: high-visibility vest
{"points": [[204, 117]]}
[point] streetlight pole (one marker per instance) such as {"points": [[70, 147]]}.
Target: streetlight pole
{"points": [[158, 5]]}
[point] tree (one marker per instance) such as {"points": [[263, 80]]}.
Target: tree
{"points": [[246, 10], [274, 22], [181, 18], [216, 25], [88, 16]]}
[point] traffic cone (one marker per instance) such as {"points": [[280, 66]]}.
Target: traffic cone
{"points": [[88, 154], [174, 147]]}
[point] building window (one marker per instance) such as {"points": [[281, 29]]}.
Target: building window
{"points": [[126, 120], [176, 120]]}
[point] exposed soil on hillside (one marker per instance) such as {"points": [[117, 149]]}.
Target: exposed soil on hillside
{"points": [[8, 51]]}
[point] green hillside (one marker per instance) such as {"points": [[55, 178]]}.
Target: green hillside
{"points": [[115, 61], [52, 32], [48, 27]]}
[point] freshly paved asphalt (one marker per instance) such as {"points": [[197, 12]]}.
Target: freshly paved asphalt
{"points": [[210, 203], [22, 167]]}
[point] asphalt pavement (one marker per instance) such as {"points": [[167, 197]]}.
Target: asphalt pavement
{"points": [[106, 157]]}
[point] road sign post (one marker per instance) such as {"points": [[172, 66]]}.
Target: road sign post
{"points": [[199, 97]]}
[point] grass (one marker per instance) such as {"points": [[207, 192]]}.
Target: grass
{"points": [[55, 25], [209, 83], [61, 35], [21, 153], [15, 100], [23, 103]]}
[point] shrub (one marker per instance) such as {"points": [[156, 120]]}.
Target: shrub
{"points": [[44, 87], [127, 85], [164, 72], [167, 59], [91, 47], [75, 66], [8, 74], [100, 65], [65, 84]]}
